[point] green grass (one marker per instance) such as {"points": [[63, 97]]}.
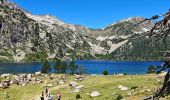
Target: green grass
{"points": [[19, 92], [106, 85]]}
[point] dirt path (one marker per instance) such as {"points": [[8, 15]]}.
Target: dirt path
{"points": [[37, 97]]}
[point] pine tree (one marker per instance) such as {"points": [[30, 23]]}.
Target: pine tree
{"points": [[58, 66], [73, 67], [46, 67], [64, 67]]}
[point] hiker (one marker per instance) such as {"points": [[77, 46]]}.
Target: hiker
{"points": [[42, 96], [49, 97], [58, 96], [46, 92]]}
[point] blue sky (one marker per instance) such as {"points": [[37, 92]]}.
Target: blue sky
{"points": [[95, 13]]}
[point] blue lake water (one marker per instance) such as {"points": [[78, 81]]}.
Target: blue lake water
{"points": [[91, 67]]}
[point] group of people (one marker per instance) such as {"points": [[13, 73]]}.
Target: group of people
{"points": [[48, 96]]}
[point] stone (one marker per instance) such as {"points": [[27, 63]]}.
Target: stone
{"points": [[1, 85], [95, 94], [61, 82], [73, 84], [37, 73], [29, 76], [79, 87], [23, 84], [129, 93], [5, 75], [50, 85], [148, 90], [76, 90], [123, 88]]}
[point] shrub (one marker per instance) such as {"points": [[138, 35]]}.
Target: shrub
{"points": [[105, 72], [134, 87], [119, 97], [78, 96], [151, 69]]}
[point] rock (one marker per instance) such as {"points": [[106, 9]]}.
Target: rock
{"points": [[79, 87], [1, 85], [80, 77], [148, 90], [76, 90], [5, 75], [61, 82], [161, 74], [50, 85], [11, 82], [37, 73], [23, 84], [73, 84], [95, 94], [123, 88], [129, 93], [29, 76]]}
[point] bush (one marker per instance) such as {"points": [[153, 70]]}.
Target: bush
{"points": [[134, 87], [78, 96], [119, 97], [105, 72], [151, 69]]}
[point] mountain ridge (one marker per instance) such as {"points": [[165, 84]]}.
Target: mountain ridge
{"points": [[26, 37]]}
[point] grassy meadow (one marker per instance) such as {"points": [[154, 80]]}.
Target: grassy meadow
{"points": [[139, 86]]}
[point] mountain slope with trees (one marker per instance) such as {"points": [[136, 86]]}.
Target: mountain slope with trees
{"points": [[27, 38]]}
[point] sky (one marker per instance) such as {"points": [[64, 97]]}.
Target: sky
{"points": [[95, 13]]}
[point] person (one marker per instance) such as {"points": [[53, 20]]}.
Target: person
{"points": [[42, 96], [46, 92], [58, 96], [49, 97]]}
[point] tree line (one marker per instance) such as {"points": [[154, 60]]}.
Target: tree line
{"points": [[63, 67]]}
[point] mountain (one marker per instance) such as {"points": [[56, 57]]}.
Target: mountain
{"points": [[26, 37]]}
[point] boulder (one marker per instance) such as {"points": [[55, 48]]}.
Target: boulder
{"points": [[95, 94], [73, 84], [5, 75], [76, 90], [79, 87], [61, 82], [29, 76], [23, 84], [148, 90], [50, 85], [37, 73], [123, 88], [1, 85], [129, 93]]}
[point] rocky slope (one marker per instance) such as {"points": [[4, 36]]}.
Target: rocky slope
{"points": [[27, 37]]}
